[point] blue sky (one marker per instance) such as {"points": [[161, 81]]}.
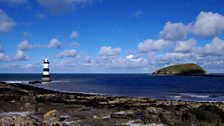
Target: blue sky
{"points": [[110, 36]]}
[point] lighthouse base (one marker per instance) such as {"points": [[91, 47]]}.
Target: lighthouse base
{"points": [[46, 79]]}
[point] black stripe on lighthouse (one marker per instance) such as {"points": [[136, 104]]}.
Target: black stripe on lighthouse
{"points": [[46, 69], [45, 75]]}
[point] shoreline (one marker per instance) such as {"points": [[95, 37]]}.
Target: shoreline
{"points": [[90, 109], [36, 83], [192, 97]]}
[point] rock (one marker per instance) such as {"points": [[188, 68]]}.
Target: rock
{"points": [[96, 117], [53, 118], [210, 114], [34, 82], [169, 118], [13, 101], [149, 118], [2, 82], [17, 120], [28, 99], [50, 114], [30, 107], [154, 110], [123, 114]]}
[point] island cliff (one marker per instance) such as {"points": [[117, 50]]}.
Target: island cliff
{"points": [[181, 69]]}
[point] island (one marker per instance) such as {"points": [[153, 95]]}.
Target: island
{"points": [[26, 105], [181, 69]]}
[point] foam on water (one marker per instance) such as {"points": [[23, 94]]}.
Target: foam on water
{"points": [[23, 114], [133, 123], [59, 81], [193, 95], [202, 97], [17, 81]]}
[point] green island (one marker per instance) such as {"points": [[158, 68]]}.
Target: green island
{"points": [[181, 69]]}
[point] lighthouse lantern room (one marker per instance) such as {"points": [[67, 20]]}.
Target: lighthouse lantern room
{"points": [[46, 74]]}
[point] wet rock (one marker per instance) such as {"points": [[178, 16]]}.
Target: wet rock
{"points": [[123, 114], [29, 107], [154, 110], [211, 114], [18, 120], [169, 118], [149, 118], [53, 118], [50, 114], [34, 82], [28, 99], [96, 117], [13, 101], [2, 82]]}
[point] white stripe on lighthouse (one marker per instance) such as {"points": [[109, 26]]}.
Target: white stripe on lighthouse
{"points": [[45, 73], [46, 65]]}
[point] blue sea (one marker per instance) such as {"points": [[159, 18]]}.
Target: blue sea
{"points": [[188, 88]]}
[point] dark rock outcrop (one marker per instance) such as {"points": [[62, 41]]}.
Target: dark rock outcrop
{"points": [[35, 82]]}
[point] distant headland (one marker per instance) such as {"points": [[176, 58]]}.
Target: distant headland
{"points": [[181, 69]]}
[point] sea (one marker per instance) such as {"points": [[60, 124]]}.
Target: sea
{"points": [[186, 88]]}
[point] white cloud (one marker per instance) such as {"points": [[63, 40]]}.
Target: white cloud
{"points": [[75, 44], [176, 56], [24, 45], [174, 31], [169, 58], [40, 15], [208, 24], [54, 43], [68, 53], [6, 23], [14, 65], [20, 55], [26, 34], [14, 2], [185, 46], [74, 35], [138, 13], [215, 48], [28, 66], [1, 48], [152, 45], [118, 62], [3, 57], [133, 58], [61, 6], [109, 51], [31, 66]]}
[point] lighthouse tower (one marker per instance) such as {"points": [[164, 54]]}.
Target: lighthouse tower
{"points": [[46, 74]]}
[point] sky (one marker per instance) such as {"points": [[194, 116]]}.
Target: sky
{"points": [[110, 36]]}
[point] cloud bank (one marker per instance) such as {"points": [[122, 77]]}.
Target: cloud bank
{"points": [[6, 23]]}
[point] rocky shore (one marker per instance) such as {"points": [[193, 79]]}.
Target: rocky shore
{"points": [[23, 105]]}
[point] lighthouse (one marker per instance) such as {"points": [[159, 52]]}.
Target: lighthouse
{"points": [[46, 74]]}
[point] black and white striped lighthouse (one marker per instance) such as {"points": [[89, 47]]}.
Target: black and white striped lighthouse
{"points": [[46, 74]]}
